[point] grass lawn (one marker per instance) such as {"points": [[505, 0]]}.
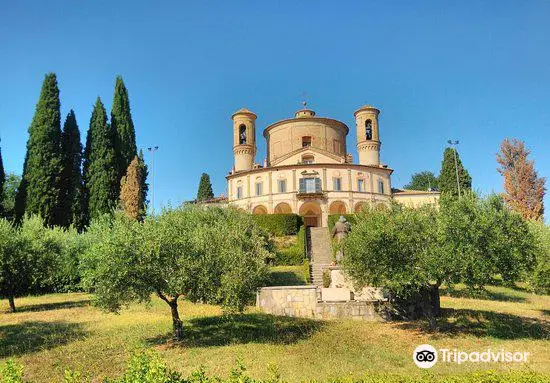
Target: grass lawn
{"points": [[287, 275], [54, 332]]}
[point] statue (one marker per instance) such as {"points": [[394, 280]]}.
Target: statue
{"points": [[340, 231]]}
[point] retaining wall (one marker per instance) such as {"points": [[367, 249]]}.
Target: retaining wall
{"points": [[305, 302]]}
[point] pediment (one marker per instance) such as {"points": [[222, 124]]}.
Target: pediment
{"points": [[323, 155]]}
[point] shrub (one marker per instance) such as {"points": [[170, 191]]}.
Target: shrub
{"points": [[279, 224], [295, 254], [306, 271], [326, 278], [147, 367], [11, 372], [540, 278]]}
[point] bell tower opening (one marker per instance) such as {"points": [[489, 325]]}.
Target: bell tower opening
{"points": [[242, 134], [368, 130]]}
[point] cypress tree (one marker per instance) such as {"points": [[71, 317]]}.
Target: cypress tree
{"points": [[2, 180], [100, 166], [123, 126], [39, 191], [131, 194], [447, 176], [205, 189], [70, 209], [144, 184]]}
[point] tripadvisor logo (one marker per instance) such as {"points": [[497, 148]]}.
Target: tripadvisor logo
{"points": [[426, 356]]}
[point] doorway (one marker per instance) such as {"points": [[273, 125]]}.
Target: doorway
{"points": [[311, 211]]}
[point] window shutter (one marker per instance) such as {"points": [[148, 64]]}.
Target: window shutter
{"points": [[317, 185], [302, 185]]}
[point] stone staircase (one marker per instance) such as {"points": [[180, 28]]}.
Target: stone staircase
{"points": [[319, 247]]}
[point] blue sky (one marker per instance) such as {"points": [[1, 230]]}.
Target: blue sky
{"points": [[475, 71]]}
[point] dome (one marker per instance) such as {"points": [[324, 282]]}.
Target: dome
{"points": [[365, 108], [244, 111]]}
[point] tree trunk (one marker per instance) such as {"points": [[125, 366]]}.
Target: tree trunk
{"points": [[177, 324], [176, 321], [12, 303], [435, 305]]}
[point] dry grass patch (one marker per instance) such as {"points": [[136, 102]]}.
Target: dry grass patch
{"points": [[59, 331]]}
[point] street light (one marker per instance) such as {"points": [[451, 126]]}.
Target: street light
{"points": [[153, 150], [454, 144]]}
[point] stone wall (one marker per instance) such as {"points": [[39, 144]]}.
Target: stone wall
{"points": [[305, 302], [294, 301], [360, 310]]}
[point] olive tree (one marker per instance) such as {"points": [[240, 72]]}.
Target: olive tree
{"points": [[411, 251], [210, 255], [14, 266], [28, 258]]}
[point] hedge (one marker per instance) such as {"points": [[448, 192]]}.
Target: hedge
{"points": [[279, 224], [295, 254]]}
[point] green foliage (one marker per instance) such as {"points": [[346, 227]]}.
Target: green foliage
{"points": [[71, 247], [396, 248], [38, 259], [279, 224], [483, 238], [100, 171], [414, 250], [15, 265], [326, 278], [123, 128], [9, 192], [422, 181], [333, 218], [540, 279], [447, 176], [144, 185], [148, 367], [27, 258], [2, 180], [39, 192], [205, 189], [294, 254], [209, 255], [11, 372], [306, 271], [71, 202]]}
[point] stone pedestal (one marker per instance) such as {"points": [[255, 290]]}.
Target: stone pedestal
{"points": [[336, 294], [338, 280]]}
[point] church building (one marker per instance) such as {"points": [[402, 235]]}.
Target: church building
{"points": [[308, 170]]}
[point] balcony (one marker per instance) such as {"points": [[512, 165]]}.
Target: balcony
{"points": [[310, 188]]}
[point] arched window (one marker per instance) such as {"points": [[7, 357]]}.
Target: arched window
{"points": [[368, 130], [242, 134]]}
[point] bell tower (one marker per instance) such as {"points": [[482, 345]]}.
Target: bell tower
{"points": [[368, 139], [244, 139]]}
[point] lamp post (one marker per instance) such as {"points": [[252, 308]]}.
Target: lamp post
{"points": [[454, 144], [152, 150]]}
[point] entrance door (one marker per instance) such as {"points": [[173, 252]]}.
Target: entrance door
{"points": [[310, 221], [311, 211]]}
